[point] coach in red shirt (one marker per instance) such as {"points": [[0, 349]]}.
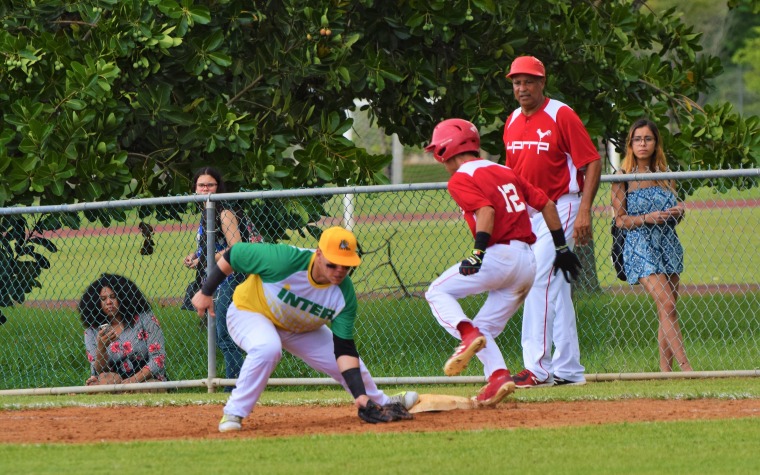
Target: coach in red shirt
{"points": [[548, 146], [495, 204]]}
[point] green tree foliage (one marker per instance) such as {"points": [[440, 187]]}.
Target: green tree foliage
{"points": [[748, 55], [102, 99], [107, 98], [724, 28]]}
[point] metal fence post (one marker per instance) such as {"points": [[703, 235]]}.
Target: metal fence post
{"points": [[210, 261]]}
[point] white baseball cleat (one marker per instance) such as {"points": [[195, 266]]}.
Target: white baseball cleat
{"points": [[406, 398], [230, 423]]}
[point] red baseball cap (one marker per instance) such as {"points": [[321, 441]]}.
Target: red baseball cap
{"points": [[527, 65]]}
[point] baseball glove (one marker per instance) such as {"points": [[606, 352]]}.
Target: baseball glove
{"points": [[374, 413], [398, 412]]}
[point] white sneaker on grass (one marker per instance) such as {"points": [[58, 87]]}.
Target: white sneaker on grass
{"points": [[230, 423]]}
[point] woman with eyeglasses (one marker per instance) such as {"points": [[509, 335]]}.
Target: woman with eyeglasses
{"points": [[653, 256], [206, 181]]}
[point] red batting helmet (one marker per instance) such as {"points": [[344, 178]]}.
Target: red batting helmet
{"points": [[452, 137], [527, 65]]}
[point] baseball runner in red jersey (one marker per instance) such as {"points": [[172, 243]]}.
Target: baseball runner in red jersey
{"points": [[495, 204], [548, 146], [289, 296]]}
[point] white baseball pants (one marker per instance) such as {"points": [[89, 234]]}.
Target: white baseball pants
{"points": [[507, 275], [263, 342], [548, 315]]}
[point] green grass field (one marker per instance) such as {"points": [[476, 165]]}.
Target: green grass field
{"points": [[667, 447], [695, 446]]}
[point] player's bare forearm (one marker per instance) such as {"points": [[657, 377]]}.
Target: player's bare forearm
{"points": [[551, 217], [582, 227], [347, 362], [484, 218], [591, 178], [224, 266]]}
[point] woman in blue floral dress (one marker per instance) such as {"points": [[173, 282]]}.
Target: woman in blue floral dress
{"points": [[653, 256], [124, 341]]}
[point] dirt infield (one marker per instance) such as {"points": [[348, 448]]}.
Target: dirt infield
{"points": [[113, 424]]}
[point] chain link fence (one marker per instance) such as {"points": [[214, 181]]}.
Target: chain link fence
{"points": [[408, 234]]}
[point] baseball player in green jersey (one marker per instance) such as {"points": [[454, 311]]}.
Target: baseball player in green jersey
{"points": [[288, 297]]}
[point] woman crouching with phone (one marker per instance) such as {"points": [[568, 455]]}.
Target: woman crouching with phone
{"points": [[122, 336]]}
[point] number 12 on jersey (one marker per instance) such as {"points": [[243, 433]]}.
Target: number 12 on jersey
{"points": [[511, 198]]}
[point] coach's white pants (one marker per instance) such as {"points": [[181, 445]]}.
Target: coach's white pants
{"points": [[263, 342], [507, 275], [548, 315]]}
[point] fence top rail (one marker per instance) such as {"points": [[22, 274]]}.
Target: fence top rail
{"points": [[348, 190], [688, 175]]}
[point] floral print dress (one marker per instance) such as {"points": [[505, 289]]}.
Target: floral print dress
{"points": [[139, 344]]}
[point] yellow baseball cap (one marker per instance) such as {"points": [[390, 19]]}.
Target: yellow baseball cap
{"points": [[339, 246]]}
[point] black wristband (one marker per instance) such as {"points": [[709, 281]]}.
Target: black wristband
{"points": [[481, 240], [353, 378], [213, 279], [558, 236]]}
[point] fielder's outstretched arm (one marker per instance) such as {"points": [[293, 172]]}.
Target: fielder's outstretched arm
{"points": [[347, 358]]}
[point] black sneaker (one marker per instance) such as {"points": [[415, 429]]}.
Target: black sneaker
{"points": [[526, 379], [566, 382]]}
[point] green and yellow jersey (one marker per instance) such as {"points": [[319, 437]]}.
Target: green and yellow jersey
{"points": [[279, 286]]}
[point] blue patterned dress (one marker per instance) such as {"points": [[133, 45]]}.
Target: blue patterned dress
{"points": [[651, 249]]}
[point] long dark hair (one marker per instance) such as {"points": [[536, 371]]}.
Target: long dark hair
{"points": [[221, 187], [131, 300]]}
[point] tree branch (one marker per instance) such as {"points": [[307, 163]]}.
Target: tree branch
{"points": [[74, 22], [245, 89]]}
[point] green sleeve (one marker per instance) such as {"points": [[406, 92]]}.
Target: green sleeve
{"points": [[271, 262], [343, 324]]}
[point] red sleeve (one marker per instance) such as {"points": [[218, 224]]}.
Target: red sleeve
{"points": [[466, 193], [575, 137], [535, 197]]}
